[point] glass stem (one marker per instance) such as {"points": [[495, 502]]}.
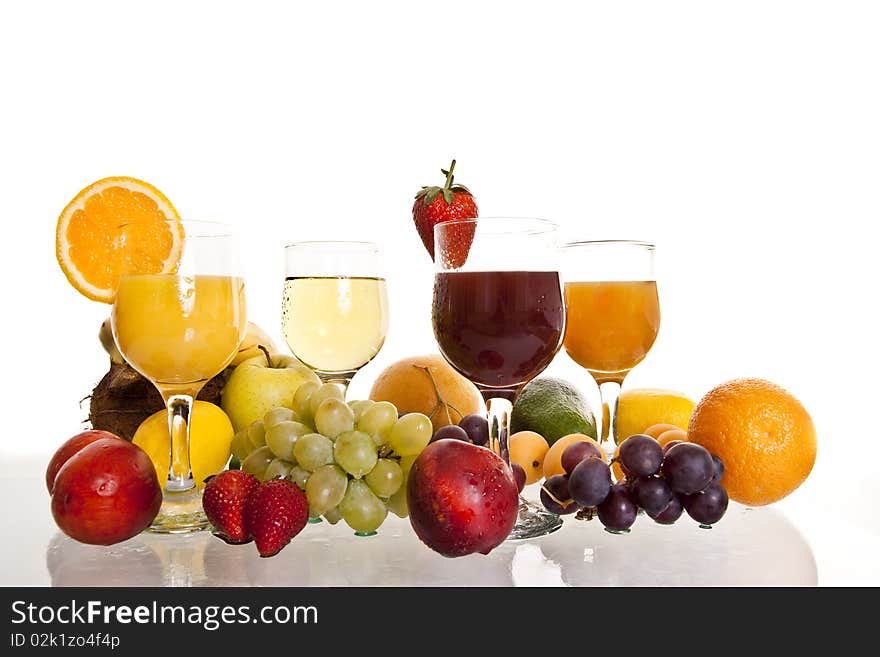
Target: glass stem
{"points": [[609, 392], [498, 410], [180, 476], [342, 379]]}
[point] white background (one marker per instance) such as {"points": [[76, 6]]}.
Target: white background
{"points": [[743, 138]]}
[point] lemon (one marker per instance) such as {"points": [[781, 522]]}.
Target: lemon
{"points": [[639, 408], [210, 441]]}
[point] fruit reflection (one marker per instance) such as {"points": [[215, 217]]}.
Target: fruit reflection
{"points": [[749, 548]]}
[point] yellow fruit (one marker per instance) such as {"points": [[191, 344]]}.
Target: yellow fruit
{"points": [[210, 441], [639, 408], [427, 385], [605, 420], [254, 338], [616, 470], [528, 449], [762, 434], [553, 458], [656, 429], [86, 244], [672, 434]]}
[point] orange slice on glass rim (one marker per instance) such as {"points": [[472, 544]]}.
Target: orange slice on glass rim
{"points": [[86, 238]]}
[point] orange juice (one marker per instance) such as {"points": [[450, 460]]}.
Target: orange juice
{"points": [[610, 325], [179, 330]]}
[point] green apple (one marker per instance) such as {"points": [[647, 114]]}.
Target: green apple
{"points": [[262, 383], [255, 340]]}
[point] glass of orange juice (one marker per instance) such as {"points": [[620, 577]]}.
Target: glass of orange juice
{"points": [[180, 328], [612, 315]]}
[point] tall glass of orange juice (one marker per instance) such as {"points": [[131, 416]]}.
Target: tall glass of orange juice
{"points": [[612, 314], [180, 327]]}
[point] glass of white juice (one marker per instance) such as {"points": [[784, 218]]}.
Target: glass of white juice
{"points": [[335, 307], [179, 329]]}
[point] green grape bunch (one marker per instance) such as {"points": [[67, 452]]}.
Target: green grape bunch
{"points": [[352, 459]]}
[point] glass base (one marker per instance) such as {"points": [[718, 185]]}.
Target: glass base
{"points": [[180, 513], [533, 521]]}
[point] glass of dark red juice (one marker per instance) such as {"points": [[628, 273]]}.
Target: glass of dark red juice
{"points": [[499, 319]]}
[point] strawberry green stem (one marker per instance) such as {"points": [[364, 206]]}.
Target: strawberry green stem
{"points": [[449, 175]]}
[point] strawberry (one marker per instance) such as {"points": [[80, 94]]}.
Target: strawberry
{"points": [[275, 513], [435, 205], [224, 502]]}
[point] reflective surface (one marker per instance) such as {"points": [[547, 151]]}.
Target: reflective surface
{"points": [[749, 547]]}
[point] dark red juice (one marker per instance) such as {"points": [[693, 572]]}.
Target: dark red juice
{"points": [[498, 328]]}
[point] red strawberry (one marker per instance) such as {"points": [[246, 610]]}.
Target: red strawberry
{"points": [[435, 205], [275, 513], [224, 502]]}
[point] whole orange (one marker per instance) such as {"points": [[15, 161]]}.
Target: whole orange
{"points": [[764, 436]]}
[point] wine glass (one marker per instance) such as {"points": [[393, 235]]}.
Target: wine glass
{"points": [[179, 330], [612, 315], [335, 307], [498, 319]]}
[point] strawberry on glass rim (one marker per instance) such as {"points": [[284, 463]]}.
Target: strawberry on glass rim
{"points": [[450, 203]]}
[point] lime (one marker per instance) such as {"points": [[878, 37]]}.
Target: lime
{"points": [[553, 408]]}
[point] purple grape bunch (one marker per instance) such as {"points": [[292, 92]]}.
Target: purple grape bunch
{"points": [[664, 483], [470, 429]]}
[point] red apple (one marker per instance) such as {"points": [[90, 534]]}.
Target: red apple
{"points": [[68, 449], [462, 498], [106, 493]]}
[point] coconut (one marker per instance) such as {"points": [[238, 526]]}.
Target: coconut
{"points": [[124, 398]]}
